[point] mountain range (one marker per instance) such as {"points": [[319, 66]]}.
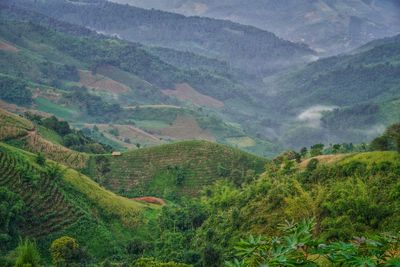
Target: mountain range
{"points": [[328, 26]]}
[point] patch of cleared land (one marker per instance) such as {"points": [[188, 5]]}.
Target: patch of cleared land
{"points": [[102, 83], [153, 106], [7, 47], [185, 92], [186, 128], [324, 159], [241, 142], [135, 135]]}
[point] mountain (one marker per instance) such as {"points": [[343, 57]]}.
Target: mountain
{"points": [[89, 79], [57, 200], [244, 47], [327, 26], [350, 97]]}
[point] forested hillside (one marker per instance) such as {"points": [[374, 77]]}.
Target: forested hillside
{"points": [[142, 138], [328, 26], [245, 47], [84, 77], [347, 98]]}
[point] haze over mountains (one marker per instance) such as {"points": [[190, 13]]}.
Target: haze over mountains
{"points": [[327, 26], [264, 92], [145, 138]]}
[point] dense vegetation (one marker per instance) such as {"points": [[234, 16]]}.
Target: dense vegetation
{"points": [[349, 198], [246, 47], [14, 91], [79, 185]]}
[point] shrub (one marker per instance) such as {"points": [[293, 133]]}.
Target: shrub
{"points": [[312, 165], [40, 159], [27, 254], [65, 251]]}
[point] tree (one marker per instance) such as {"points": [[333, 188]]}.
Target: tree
{"points": [[40, 159], [27, 254], [211, 256], [316, 150], [65, 251], [303, 152], [14, 91], [393, 132], [381, 143], [11, 209]]}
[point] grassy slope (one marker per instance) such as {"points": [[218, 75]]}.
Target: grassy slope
{"points": [[368, 158], [74, 205], [155, 170]]}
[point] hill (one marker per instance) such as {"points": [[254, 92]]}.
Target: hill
{"points": [[245, 47], [95, 83], [354, 195], [346, 98], [59, 201], [181, 168], [327, 26], [170, 170]]}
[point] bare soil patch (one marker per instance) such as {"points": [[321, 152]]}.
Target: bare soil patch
{"points": [[187, 128], [185, 92], [7, 47], [102, 83]]}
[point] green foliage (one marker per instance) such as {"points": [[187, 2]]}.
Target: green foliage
{"points": [[14, 91], [150, 262], [60, 131], [27, 254], [11, 215], [316, 150], [297, 247], [390, 140], [40, 159], [94, 105], [65, 251], [312, 165]]}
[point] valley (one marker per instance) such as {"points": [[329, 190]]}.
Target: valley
{"points": [[199, 133]]}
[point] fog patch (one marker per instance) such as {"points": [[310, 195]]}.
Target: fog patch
{"points": [[312, 116], [375, 130]]}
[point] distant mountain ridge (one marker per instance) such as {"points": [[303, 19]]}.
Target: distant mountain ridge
{"points": [[329, 26], [245, 47]]}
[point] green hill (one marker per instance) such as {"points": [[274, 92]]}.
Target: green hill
{"points": [[64, 202], [182, 168], [346, 98]]}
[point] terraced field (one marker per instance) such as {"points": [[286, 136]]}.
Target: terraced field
{"points": [[182, 168], [13, 126], [56, 204], [48, 208], [34, 143]]}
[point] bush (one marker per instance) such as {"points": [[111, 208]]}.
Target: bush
{"points": [[312, 165], [27, 254], [65, 251], [40, 159]]}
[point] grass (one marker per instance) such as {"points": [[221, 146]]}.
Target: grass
{"points": [[372, 157], [151, 124], [46, 105], [368, 158], [50, 135], [241, 142]]}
